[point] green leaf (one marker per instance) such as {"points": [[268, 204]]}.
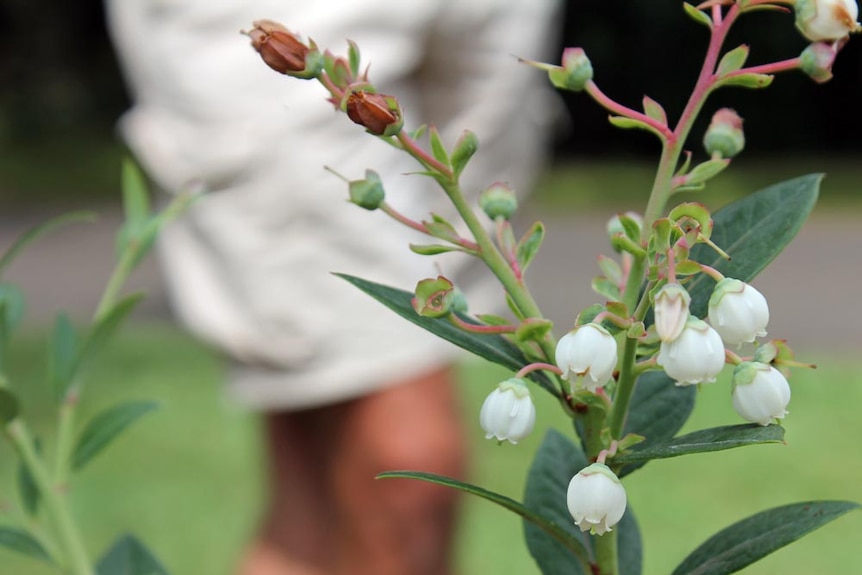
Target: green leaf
{"points": [[464, 149], [697, 15], [107, 325], [354, 58], [10, 407], [630, 124], [555, 463], [703, 441], [494, 348], [751, 539], [753, 81], [654, 110], [629, 544], [38, 231], [606, 288], [555, 531], [105, 427], [437, 147], [704, 171], [27, 489], [128, 556], [433, 249], [136, 199], [658, 410], [62, 355], [732, 61], [529, 245], [23, 543], [753, 231]]}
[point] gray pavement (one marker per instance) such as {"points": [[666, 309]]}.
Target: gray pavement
{"points": [[812, 287]]}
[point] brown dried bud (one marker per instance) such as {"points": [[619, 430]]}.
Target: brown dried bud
{"points": [[281, 50], [377, 112]]}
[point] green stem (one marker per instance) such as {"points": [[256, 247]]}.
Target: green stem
{"points": [[625, 388], [606, 553], [69, 537]]}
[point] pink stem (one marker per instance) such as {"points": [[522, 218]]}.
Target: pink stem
{"points": [[486, 329], [774, 68], [537, 366], [610, 452], [424, 158], [396, 215], [712, 272], [612, 106]]}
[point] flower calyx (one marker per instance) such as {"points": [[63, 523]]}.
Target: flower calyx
{"points": [[283, 51], [434, 297]]}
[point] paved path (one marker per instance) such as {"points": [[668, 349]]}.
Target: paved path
{"points": [[812, 287]]}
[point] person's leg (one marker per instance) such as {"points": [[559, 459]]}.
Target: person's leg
{"points": [[293, 537], [397, 526]]}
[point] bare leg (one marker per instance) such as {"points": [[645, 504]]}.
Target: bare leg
{"points": [[328, 515], [398, 526]]}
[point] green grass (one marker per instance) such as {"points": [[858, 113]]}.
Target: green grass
{"points": [[187, 478]]}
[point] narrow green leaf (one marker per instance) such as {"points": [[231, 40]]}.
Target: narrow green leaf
{"points": [[494, 348], [732, 61], [606, 288], [105, 427], [703, 441], [9, 406], [62, 355], [27, 490], [697, 15], [751, 539], [437, 147], [13, 305], [432, 249], [657, 411], [529, 244], [464, 149], [753, 81], [705, 171], [106, 326], [555, 463], [354, 58], [631, 124], [128, 556], [753, 231], [549, 527], [38, 231], [136, 199], [23, 543], [654, 110]]}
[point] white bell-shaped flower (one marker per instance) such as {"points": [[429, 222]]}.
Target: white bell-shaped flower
{"points": [[738, 312], [590, 353], [696, 356], [508, 412], [671, 311], [596, 499], [760, 392], [826, 20]]}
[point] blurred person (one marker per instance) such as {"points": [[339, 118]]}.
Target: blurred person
{"points": [[347, 389]]}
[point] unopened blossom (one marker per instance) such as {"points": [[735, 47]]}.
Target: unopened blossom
{"points": [[696, 356], [671, 311], [589, 353], [508, 413], [738, 312], [826, 20], [760, 392], [596, 499]]}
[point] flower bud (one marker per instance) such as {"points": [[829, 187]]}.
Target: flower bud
{"points": [[671, 311], [696, 356], [508, 413], [575, 72], [760, 392], [724, 135], [367, 193], [596, 499], [283, 52], [498, 200], [378, 113], [434, 297], [826, 20], [590, 353], [816, 61], [738, 312]]}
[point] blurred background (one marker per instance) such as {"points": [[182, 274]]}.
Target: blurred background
{"points": [[188, 478]]}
